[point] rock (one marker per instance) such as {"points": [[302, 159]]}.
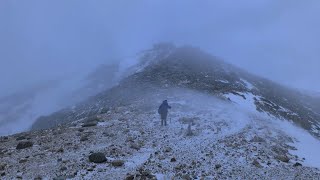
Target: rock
{"points": [[257, 139], [283, 158], [218, 166], [38, 178], [90, 169], [2, 167], [23, 160], [93, 118], [135, 146], [21, 138], [168, 149], [63, 168], [19, 175], [24, 144], [60, 150], [130, 177], [3, 174], [173, 160], [297, 164], [257, 164], [186, 177], [97, 158], [60, 178], [90, 124], [117, 163], [84, 138]]}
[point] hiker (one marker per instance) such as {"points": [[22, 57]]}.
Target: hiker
{"points": [[163, 111]]}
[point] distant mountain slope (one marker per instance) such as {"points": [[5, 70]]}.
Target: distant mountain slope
{"points": [[166, 66], [19, 110]]}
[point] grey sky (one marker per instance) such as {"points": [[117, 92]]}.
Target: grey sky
{"points": [[41, 39]]}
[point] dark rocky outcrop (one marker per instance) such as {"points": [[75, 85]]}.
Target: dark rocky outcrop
{"points": [[24, 144]]}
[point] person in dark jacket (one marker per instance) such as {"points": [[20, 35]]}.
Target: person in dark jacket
{"points": [[163, 111]]}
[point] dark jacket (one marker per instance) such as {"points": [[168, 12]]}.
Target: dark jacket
{"points": [[163, 109]]}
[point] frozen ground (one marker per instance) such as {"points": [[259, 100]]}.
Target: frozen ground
{"points": [[228, 140]]}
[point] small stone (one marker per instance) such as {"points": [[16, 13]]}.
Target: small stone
{"points": [[60, 150], [130, 177], [135, 146], [2, 167], [168, 149], [19, 175], [257, 164], [84, 138], [218, 166], [38, 178], [3, 174], [117, 163], [60, 178], [23, 161], [173, 160], [297, 164], [90, 169], [63, 168]]}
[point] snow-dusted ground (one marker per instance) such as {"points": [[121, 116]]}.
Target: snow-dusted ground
{"points": [[228, 140]]}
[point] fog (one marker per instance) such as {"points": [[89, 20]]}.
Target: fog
{"points": [[43, 39]]}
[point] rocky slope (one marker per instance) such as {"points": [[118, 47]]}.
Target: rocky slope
{"points": [[225, 141], [225, 124], [187, 67]]}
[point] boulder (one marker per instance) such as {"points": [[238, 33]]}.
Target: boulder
{"points": [[90, 124], [97, 158], [283, 158], [24, 144]]}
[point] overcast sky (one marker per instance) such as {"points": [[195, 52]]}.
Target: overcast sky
{"points": [[42, 39]]}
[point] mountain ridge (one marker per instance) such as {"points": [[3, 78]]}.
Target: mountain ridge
{"points": [[189, 67]]}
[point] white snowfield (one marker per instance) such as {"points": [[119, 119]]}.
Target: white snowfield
{"points": [[227, 140]]}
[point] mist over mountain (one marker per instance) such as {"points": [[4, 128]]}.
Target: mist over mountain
{"points": [[20, 109], [160, 90], [224, 122]]}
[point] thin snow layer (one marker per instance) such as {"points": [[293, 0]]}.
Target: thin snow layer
{"points": [[307, 146], [208, 108], [245, 102], [227, 140]]}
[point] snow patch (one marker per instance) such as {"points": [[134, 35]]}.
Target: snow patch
{"points": [[248, 84], [308, 146]]}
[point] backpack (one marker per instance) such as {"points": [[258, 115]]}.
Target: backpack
{"points": [[159, 110]]}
